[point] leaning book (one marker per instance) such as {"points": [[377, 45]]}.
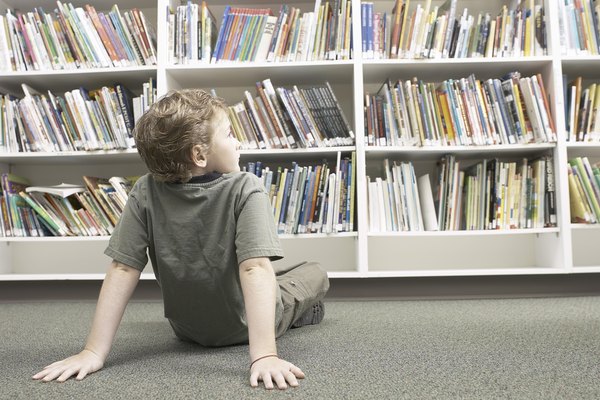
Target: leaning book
{"points": [[63, 190]]}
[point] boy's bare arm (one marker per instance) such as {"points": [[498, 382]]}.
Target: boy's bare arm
{"points": [[118, 286], [259, 289]]}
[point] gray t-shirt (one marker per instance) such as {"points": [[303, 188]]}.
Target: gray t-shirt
{"points": [[196, 235]]}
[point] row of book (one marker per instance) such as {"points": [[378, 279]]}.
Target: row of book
{"points": [[75, 37], [431, 31], [255, 34], [280, 118], [579, 27], [92, 209], [582, 110], [491, 194], [311, 199], [101, 119], [584, 190], [466, 111]]}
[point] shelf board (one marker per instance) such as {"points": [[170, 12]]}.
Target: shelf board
{"points": [[483, 68], [246, 74], [67, 239], [465, 151], [583, 149], [331, 275], [585, 227], [586, 269], [60, 81], [581, 65], [318, 235], [463, 272], [497, 232], [296, 153], [71, 157]]}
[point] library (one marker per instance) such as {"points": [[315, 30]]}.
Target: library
{"points": [[438, 159]]}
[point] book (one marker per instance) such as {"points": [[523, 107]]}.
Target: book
{"points": [[62, 190]]}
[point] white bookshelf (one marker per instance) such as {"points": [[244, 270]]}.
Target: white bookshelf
{"points": [[565, 249]]}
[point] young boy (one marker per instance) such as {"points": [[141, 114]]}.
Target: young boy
{"points": [[210, 235]]}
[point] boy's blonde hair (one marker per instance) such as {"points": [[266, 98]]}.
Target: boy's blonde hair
{"points": [[167, 132]]}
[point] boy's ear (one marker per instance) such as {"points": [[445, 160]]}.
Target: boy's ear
{"points": [[198, 157]]}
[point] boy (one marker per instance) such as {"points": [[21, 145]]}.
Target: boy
{"points": [[210, 235]]}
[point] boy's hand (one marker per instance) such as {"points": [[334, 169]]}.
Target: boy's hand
{"points": [[81, 364], [275, 369]]}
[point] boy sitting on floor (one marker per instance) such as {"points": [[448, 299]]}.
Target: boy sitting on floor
{"points": [[210, 234]]}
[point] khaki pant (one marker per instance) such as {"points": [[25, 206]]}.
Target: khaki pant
{"points": [[300, 287]]}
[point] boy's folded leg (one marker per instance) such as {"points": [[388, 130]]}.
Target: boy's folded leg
{"points": [[312, 316], [302, 289]]}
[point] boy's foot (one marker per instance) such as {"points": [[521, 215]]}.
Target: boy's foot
{"points": [[312, 316]]}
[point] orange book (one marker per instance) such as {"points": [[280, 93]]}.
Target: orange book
{"points": [[102, 33], [395, 37], [546, 102]]}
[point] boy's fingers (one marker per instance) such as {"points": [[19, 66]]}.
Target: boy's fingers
{"points": [[82, 374], [65, 375], [280, 380], [254, 379], [297, 372], [52, 375], [291, 378], [267, 381]]}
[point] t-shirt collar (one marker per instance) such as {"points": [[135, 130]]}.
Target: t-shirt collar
{"points": [[205, 178]]}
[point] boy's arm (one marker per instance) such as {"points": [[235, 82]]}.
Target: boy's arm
{"points": [[259, 288], [118, 286]]}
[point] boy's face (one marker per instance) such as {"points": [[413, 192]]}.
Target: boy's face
{"points": [[224, 156]]}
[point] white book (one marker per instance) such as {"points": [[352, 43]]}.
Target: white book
{"points": [[265, 39], [94, 39], [373, 204], [5, 53], [63, 190], [381, 206], [331, 204], [427, 204]]}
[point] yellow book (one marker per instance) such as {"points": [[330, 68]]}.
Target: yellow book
{"points": [[527, 47], [403, 34], [282, 179], [578, 212], [347, 32], [589, 29], [527, 134], [489, 46], [450, 131]]}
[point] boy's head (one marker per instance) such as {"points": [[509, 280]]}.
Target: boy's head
{"points": [[186, 133]]}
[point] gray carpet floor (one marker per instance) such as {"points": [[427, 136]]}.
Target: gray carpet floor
{"points": [[540, 348]]}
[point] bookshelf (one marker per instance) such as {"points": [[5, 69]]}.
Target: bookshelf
{"points": [[566, 248]]}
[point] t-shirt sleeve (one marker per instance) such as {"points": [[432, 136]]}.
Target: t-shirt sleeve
{"points": [[256, 235], [129, 241]]}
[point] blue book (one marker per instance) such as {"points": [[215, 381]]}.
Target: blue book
{"points": [[286, 194], [220, 38]]}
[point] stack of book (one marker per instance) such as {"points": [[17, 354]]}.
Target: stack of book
{"points": [[432, 31], [491, 194], [92, 209], [311, 199], [280, 118], [249, 34], [584, 190], [467, 111], [101, 119], [579, 27], [74, 37], [192, 31], [582, 111]]}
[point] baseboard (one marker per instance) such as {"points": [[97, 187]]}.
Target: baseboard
{"points": [[346, 289]]}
